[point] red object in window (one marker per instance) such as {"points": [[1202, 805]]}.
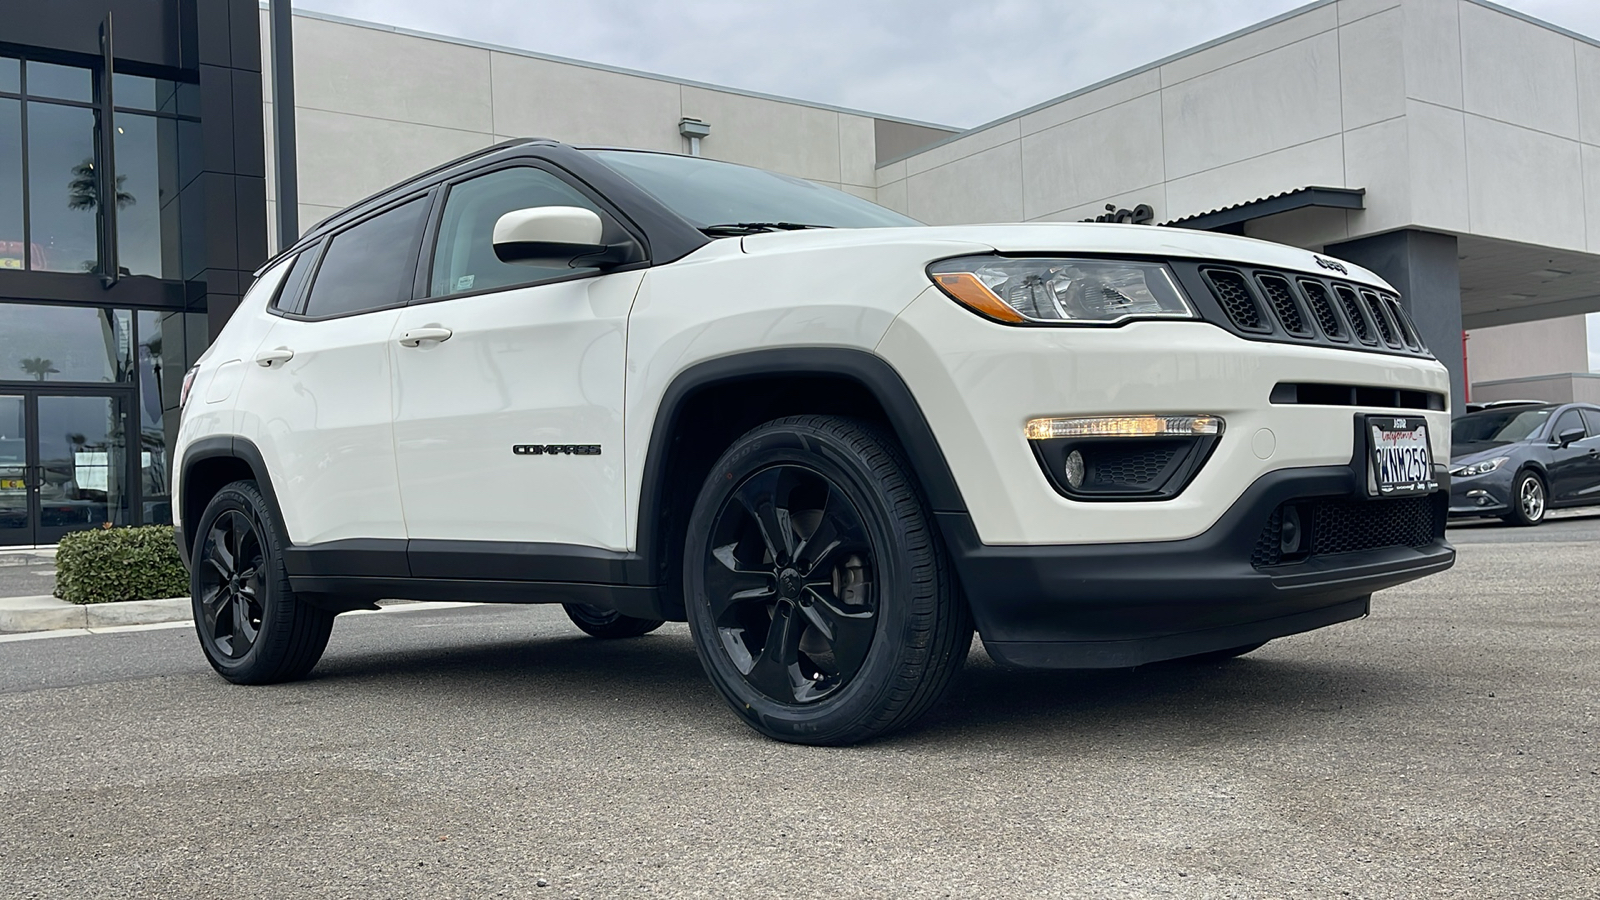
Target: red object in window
{"points": [[11, 255], [1466, 381]]}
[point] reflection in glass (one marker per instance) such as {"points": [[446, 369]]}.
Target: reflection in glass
{"points": [[10, 75], [82, 461], [144, 186], [138, 92], [161, 368], [12, 252], [62, 189], [65, 343], [13, 464], [60, 82]]}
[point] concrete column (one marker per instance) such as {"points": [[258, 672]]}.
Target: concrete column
{"points": [[1422, 267]]}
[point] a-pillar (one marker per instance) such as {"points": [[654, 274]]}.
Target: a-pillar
{"points": [[1422, 266]]}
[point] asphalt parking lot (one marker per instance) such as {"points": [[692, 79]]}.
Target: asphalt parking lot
{"points": [[1448, 745]]}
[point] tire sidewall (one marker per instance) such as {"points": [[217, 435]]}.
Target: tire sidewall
{"points": [[891, 644], [233, 498], [1519, 515]]}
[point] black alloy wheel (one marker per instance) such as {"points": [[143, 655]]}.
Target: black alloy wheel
{"points": [[252, 627], [608, 623], [820, 600], [790, 580]]}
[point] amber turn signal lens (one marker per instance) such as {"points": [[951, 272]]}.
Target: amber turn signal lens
{"points": [[966, 289]]}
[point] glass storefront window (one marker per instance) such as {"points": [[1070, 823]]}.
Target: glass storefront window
{"points": [[65, 343], [13, 250], [145, 186], [161, 368], [62, 188], [60, 82], [138, 92], [11, 76]]}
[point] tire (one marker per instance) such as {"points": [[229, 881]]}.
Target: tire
{"points": [[1529, 499], [252, 627], [1217, 656], [608, 624], [831, 644]]}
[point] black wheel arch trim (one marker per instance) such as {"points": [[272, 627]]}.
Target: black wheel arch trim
{"points": [[868, 369], [219, 447]]}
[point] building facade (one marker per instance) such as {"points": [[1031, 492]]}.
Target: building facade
{"points": [[132, 210]]}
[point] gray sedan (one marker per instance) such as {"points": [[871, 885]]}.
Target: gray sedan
{"points": [[1519, 462]]}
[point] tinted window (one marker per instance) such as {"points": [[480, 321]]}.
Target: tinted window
{"points": [[1592, 418], [1497, 426], [369, 266], [288, 298], [707, 192], [1569, 421], [464, 259]]}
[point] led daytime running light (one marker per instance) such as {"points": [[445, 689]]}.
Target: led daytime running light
{"points": [[1122, 426]]}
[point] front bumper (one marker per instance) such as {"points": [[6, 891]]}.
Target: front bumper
{"points": [[1485, 495], [1126, 604]]}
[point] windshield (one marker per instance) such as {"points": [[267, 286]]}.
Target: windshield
{"points": [[1497, 426], [707, 192]]}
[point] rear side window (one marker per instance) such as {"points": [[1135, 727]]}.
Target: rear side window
{"points": [[289, 293], [369, 266], [464, 258], [1592, 418]]}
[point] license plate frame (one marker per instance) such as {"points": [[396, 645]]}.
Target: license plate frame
{"points": [[1394, 467]]}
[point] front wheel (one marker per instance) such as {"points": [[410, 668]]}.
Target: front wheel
{"points": [[1527, 499], [252, 627], [820, 600], [608, 623]]}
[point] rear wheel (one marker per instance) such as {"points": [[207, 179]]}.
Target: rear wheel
{"points": [[252, 627], [821, 602], [1527, 499], [608, 623]]}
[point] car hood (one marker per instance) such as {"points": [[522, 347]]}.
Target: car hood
{"points": [[1475, 451], [1064, 238]]}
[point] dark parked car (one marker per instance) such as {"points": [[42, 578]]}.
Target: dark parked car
{"points": [[1518, 462]]}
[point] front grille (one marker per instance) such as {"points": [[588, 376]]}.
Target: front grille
{"points": [[1130, 467], [1299, 308], [1281, 296], [1233, 293], [1349, 526]]}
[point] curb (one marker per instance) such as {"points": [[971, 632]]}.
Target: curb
{"points": [[23, 614]]}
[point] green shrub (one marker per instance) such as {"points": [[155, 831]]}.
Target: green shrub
{"points": [[107, 565]]}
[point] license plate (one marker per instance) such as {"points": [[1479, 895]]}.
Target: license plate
{"points": [[1399, 461]]}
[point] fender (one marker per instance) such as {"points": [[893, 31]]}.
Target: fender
{"points": [[213, 447], [867, 369]]}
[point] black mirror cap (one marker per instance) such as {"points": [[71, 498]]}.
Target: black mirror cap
{"points": [[1570, 436], [576, 256]]}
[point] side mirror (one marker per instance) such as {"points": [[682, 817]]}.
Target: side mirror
{"points": [[1570, 436], [559, 236]]}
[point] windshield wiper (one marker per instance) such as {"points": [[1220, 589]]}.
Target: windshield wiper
{"points": [[739, 228]]}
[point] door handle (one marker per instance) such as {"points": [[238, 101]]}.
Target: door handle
{"points": [[416, 336], [268, 358]]}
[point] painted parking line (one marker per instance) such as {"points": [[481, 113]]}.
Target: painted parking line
{"points": [[161, 626]]}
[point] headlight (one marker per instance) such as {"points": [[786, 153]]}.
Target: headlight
{"points": [[1061, 291], [1480, 468]]}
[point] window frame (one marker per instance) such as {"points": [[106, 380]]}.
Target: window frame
{"points": [[1591, 417], [1555, 424], [423, 283], [322, 244]]}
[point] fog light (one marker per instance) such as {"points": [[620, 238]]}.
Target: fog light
{"points": [[1122, 426], [1074, 469], [1289, 533]]}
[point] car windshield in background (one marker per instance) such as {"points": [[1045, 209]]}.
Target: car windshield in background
{"points": [[1497, 426], [709, 193]]}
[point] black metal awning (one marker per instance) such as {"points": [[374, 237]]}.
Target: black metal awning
{"points": [[1233, 217]]}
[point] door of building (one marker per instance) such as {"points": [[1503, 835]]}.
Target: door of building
{"points": [[64, 463]]}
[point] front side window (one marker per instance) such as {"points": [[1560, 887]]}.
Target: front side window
{"points": [[464, 260], [1591, 417], [370, 265], [1569, 421]]}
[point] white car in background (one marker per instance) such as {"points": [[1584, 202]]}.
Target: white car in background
{"points": [[834, 441]]}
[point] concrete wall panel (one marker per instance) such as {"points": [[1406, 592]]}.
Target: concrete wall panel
{"points": [[1372, 68], [985, 187], [1355, 10], [1524, 185], [365, 71], [893, 195], [344, 158], [857, 150], [1377, 158], [1590, 155], [1588, 67], [1250, 44], [1433, 51], [1103, 153], [535, 98], [1319, 162], [966, 146], [1279, 99], [1517, 72], [1107, 96], [1437, 169], [785, 137], [1529, 348]]}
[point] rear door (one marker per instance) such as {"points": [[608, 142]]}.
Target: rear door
{"points": [[509, 389], [1590, 491], [316, 399]]}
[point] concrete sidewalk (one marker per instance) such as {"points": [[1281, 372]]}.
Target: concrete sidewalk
{"points": [[19, 614]]}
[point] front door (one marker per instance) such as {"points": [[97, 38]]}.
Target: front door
{"points": [[64, 464]]}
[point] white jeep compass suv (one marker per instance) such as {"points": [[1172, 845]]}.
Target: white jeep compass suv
{"points": [[654, 387]]}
